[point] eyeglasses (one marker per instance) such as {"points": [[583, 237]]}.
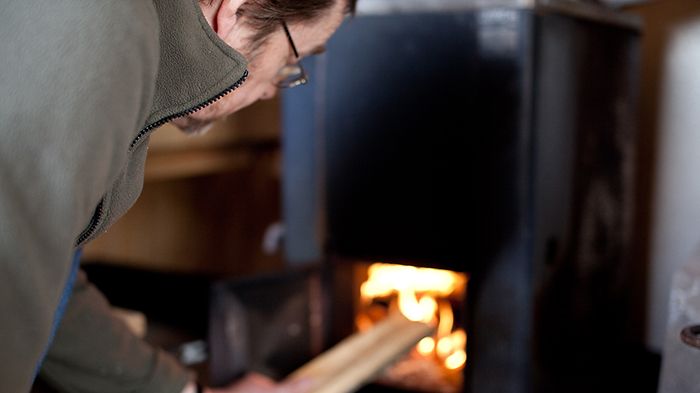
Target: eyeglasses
{"points": [[291, 75]]}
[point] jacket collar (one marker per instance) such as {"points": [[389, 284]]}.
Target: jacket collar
{"points": [[196, 67]]}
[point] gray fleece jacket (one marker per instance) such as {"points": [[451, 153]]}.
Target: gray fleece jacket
{"points": [[82, 84]]}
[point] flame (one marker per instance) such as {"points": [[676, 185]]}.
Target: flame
{"points": [[451, 348], [417, 290], [444, 347], [447, 319], [456, 360], [459, 338], [385, 280], [422, 310], [426, 346]]}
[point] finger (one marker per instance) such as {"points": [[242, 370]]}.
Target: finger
{"points": [[257, 380], [303, 385]]}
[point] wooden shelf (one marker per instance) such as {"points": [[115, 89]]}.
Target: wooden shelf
{"points": [[182, 164], [206, 201]]}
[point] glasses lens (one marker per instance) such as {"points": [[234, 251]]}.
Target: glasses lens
{"points": [[291, 75]]}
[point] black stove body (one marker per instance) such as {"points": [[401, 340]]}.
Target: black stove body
{"points": [[496, 141]]}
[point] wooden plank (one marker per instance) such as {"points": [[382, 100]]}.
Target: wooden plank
{"points": [[363, 356]]}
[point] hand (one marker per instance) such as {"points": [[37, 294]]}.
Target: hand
{"points": [[256, 383]]}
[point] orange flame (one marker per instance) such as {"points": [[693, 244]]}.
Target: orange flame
{"points": [[417, 290], [413, 309], [426, 346], [385, 280], [456, 360], [446, 319]]}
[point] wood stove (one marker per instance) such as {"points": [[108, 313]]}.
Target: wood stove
{"points": [[493, 140]]}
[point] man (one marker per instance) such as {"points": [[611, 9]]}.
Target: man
{"points": [[82, 86]]}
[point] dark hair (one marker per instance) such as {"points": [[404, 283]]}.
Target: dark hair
{"points": [[266, 16]]}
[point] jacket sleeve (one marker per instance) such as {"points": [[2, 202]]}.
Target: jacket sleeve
{"points": [[94, 352], [76, 83]]}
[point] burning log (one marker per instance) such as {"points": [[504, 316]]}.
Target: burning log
{"points": [[363, 356]]}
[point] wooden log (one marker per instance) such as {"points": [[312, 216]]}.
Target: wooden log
{"points": [[362, 356]]}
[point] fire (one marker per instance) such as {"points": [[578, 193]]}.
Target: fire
{"points": [[385, 279], [456, 360], [426, 346], [422, 295], [421, 310]]}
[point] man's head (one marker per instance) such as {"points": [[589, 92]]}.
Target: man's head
{"points": [[255, 29]]}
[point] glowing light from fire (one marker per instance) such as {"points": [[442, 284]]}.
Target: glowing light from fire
{"points": [[417, 290], [449, 345], [363, 322], [385, 279], [447, 319], [422, 310], [459, 338], [426, 346], [456, 360], [444, 347]]}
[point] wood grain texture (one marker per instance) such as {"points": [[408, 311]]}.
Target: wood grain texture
{"points": [[363, 356]]}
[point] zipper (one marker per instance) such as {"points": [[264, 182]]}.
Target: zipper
{"points": [[150, 127], [94, 221], [99, 211]]}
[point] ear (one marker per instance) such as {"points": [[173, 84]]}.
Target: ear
{"points": [[227, 16]]}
